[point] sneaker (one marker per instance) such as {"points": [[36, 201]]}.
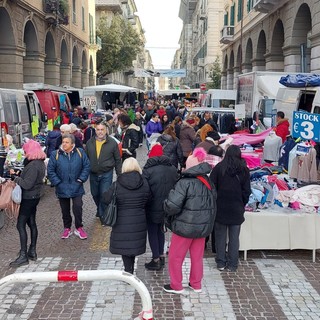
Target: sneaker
{"points": [[153, 265], [222, 268], [195, 290], [66, 233], [81, 233], [167, 288]]}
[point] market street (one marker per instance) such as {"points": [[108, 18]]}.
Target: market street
{"points": [[269, 285]]}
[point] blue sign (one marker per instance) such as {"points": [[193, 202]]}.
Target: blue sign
{"points": [[306, 126]]}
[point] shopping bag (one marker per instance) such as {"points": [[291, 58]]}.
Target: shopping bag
{"points": [[16, 194], [109, 216]]}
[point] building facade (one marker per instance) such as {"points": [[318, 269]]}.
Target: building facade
{"points": [[47, 41], [199, 41], [127, 9], [269, 35]]}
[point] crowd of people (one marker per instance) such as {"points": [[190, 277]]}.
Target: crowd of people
{"points": [[191, 184]]}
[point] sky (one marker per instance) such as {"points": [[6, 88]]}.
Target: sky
{"points": [[162, 25]]}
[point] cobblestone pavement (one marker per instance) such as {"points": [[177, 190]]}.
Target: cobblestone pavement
{"points": [[269, 285]]}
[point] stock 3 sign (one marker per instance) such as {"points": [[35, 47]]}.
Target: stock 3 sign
{"points": [[306, 126]]}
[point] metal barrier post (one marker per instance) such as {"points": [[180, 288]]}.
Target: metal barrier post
{"points": [[86, 275]]}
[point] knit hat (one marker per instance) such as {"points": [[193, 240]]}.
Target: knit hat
{"points": [[156, 151], [213, 135], [33, 150], [198, 156]]}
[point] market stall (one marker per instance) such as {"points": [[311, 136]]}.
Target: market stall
{"points": [[271, 230]]}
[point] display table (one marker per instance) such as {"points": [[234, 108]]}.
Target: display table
{"points": [[271, 230]]}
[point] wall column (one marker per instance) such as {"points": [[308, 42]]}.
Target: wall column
{"points": [[65, 74], [274, 62], [52, 71], [11, 67], [33, 67], [76, 77]]}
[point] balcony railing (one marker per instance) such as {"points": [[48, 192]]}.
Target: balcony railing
{"points": [[112, 5], [227, 34], [264, 6], [57, 11]]}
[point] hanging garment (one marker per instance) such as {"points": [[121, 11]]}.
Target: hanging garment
{"points": [[304, 167], [271, 150]]}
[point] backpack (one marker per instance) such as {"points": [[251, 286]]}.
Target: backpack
{"points": [[6, 203]]}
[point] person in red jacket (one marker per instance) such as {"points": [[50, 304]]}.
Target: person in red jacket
{"points": [[282, 128]]}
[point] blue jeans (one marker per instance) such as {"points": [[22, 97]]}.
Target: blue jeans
{"points": [[100, 183], [230, 258]]}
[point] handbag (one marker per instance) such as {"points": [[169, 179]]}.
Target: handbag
{"points": [[6, 203], [109, 217]]}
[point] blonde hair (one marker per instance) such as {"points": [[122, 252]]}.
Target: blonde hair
{"points": [[131, 164], [204, 131]]}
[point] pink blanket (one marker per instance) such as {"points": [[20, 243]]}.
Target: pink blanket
{"points": [[252, 160], [241, 138]]}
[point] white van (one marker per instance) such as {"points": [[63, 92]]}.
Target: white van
{"points": [[297, 99], [17, 111]]}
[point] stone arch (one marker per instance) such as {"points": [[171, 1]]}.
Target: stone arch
{"points": [[91, 73], [260, 60], [224, 72], [225, 64], [11, 61], [65, 66], [239, 57], [76, 69], [301, 28], [33, 61], [275, 60], [230, 74], [84, 71], [51, 63], [247, 67]]}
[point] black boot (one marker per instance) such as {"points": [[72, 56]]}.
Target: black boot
{"points": [[32, 254], [153, 265], [20, 261]]}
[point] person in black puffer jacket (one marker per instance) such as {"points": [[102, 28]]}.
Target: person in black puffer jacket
{"points": [[129, 234], [171, 146], [31, 183], [232, 180], [129, 137], [161, 176], [191, 205]]}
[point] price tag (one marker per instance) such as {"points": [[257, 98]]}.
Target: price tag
{"points": [[306, 126]]}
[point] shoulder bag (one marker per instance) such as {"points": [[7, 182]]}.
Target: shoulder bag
{"points": [[109, 217]]}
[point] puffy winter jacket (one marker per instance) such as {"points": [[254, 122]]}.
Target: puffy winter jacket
{"points": [[192, 204], [129, 234], [130, 141], [172, 149], [51, 141], [31, 179], [161, 176], [187, 138], [66, 169]]}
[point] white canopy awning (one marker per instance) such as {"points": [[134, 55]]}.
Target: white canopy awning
{"points": [[111, 87]]}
